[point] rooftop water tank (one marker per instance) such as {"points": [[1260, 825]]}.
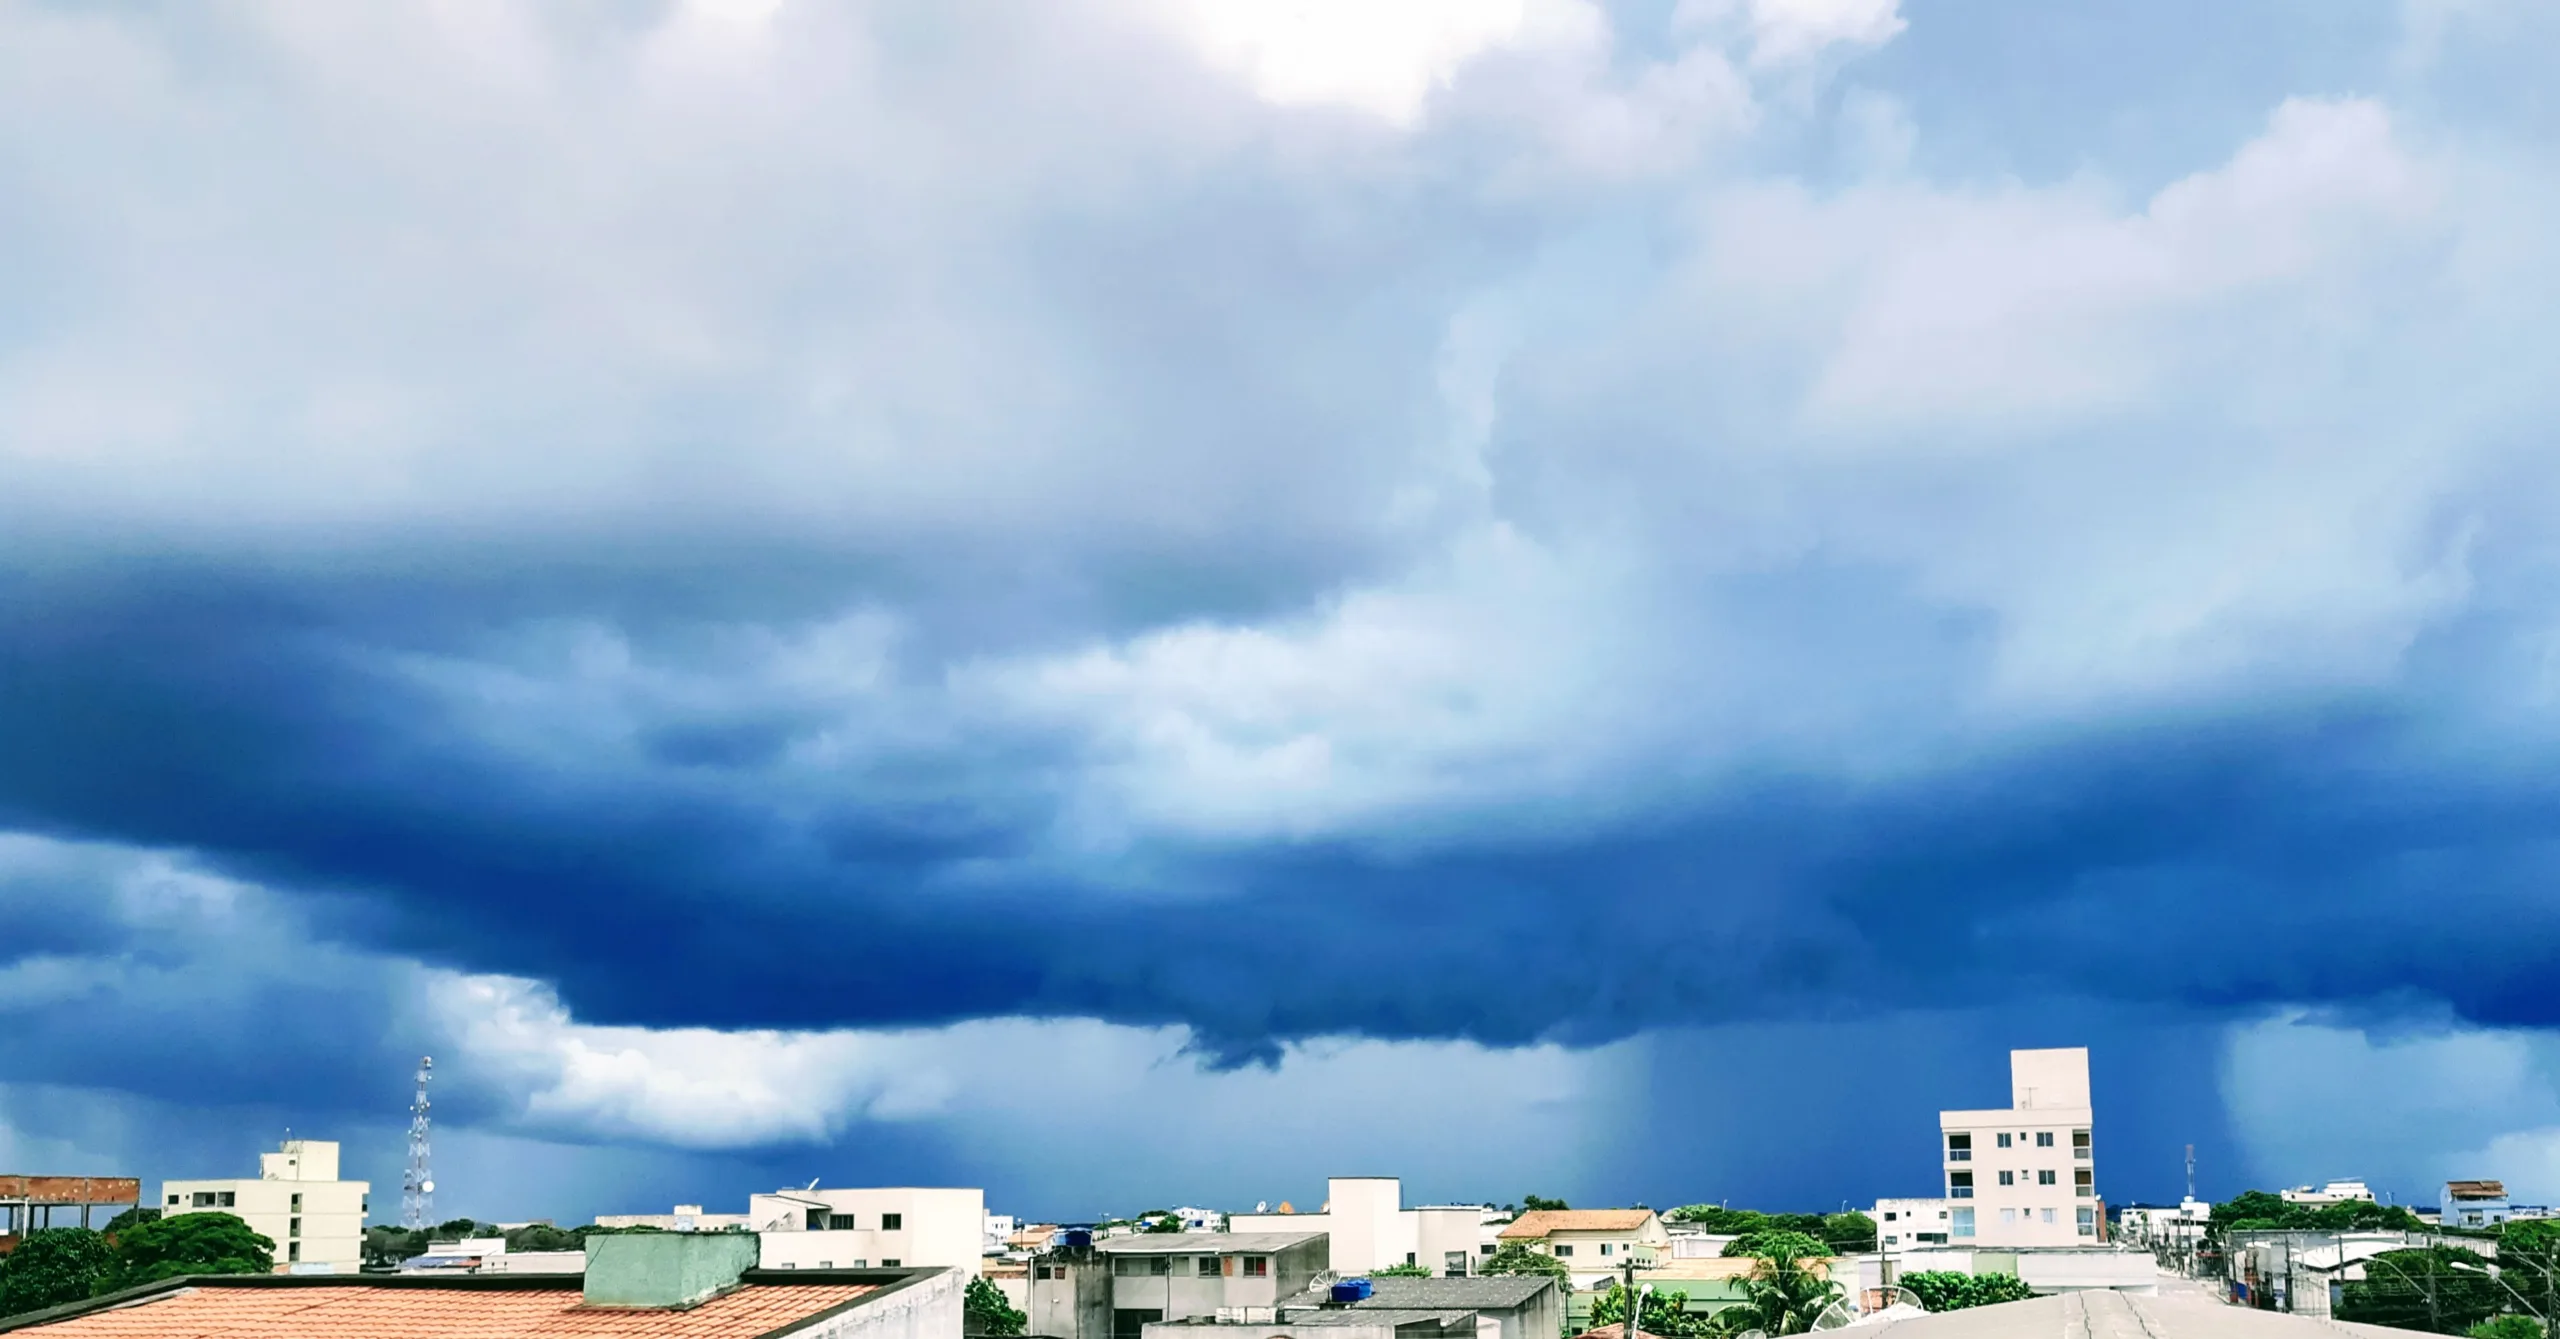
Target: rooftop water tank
{"points": [[1351, 1290]]}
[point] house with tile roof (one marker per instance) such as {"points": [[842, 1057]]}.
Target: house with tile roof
{"points": [[1593, 1243], [645, 1286]]}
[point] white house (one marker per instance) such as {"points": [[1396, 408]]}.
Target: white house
{"points": [[2335, 1192], [2024, 1174], [897, 1227], [1365, 1218], [296, 1201], [1592, 1243], [1911, 1224]]}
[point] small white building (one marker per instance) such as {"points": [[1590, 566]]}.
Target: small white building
{"points": [[1911, 1224], [2024, 1175], [2335, 1192], [892, 1227], [1369, 1227], [296, 1201]]}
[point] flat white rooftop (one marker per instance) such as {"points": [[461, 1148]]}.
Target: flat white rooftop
{"points": [[2110, 1315]]}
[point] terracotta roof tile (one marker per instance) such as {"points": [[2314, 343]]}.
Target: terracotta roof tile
{"points": [[1543, 1221], [358, 1311]]}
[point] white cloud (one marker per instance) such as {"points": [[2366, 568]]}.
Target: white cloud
{"points": [[1783, 32], [1385, 60]]}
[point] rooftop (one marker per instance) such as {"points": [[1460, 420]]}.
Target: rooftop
{"points": [[283, 1306], [2110, 1315], [1484, 1290], [1204, 1243], [2475, 1190], [1541, 1222]]}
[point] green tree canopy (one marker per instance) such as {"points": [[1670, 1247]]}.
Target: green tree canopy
{"points": [[2257, 1210], [1515, 1258], [1400, 1272], [1848, 1233], [2446, 1289], [139, 1214], [1533, 1203], [1665, 1313], [2509, 1326], [984, 1311], [543, 1237], [54, 1265], [2529, 1262], [193, 1243], [1948, 1290], [1771, 1242]]}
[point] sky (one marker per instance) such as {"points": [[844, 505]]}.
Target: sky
{"points": [[1142, 602]]}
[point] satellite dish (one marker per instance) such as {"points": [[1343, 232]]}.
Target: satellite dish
{"points": [[427, 1187]]}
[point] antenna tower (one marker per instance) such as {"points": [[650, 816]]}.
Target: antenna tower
{"points": [[418, 1185], [2191, 1171]]}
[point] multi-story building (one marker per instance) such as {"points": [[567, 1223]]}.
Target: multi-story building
{"points": [[2473, 1204], [296, 1201], [897, 1227], [2024, 1174], [1909, 1224], [1365, 1219], [1592, 1243], [1114, 1289]]}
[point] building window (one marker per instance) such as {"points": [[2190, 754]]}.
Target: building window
{"points": [[1959, 1148], [826, 1264], [1888, 1215], [2045, 1177], [891, 1222], [1408, 1258], [2008, 1216], [293, 1227], [2046, 1214], [1960, 1225], [1486, 1249], [1604, 1248], [2003, 1137], [297, 1201], [1892, 1240], [293, 1251], [1959, 1185], [1563, 1249], [1208, 1266], [2088, 1221], [225, 1199], [2081, 1184], [841, 1222], [203, 1200], [2008, 1178], [1257, 1266], [2080, 1144], [1453, 1264], [173, 1201], [2044, 1138], [888, 1263]]}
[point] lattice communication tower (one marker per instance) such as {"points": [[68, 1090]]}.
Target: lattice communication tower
{"points": [[418, 1185]]}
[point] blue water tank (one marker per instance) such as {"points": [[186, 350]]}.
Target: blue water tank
{"points": [[1078, 1238], [1351, 1290]]}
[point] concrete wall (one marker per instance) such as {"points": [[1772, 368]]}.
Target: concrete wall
{"points": [[938, 1227], [929, 1308], [1443, 1232]]}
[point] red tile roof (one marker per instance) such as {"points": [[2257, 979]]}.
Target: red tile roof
{"points": [[363, 1311]]}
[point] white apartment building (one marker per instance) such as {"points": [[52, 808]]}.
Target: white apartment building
{"points": [[2023, 1175], [1365, 1219], [881, 1228], [296, 1201], [1911, 1224]]}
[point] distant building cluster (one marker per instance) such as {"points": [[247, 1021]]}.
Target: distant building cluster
{"points": [[2018, 1204]]}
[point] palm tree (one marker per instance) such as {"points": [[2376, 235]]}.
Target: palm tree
{"points": [[1781, 1296]]}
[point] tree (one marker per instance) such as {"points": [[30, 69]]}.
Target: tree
{"points": [[1718, 1219], [542, 1237], [984, 1311], [1665, 1313], [1162, 1223], [193, 1243], [2446, 1289], [2258, 1211], [132, 1217], [1400, 1272], [1515, 1258], [1771, 1242], [1782, 1295], [1534, 1203], [1948, 1290], [1849, 1233], [2529, 1262], [2509, 1327], [54, 1265]]}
